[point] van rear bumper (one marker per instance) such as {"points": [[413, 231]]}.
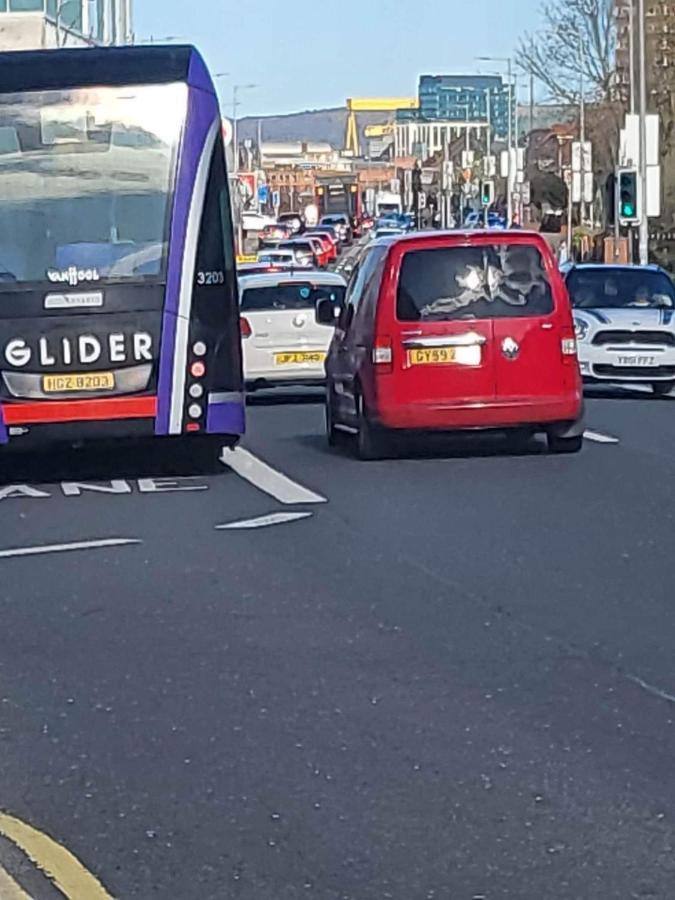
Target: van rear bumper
{"points": [[510, 413]]}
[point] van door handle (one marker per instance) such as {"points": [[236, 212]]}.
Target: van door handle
{"points": [[468, 339]]}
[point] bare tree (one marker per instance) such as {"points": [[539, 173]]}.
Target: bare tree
{"points": [[577, 38]]}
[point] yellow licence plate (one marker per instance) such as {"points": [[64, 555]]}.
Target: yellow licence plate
{"points": [[91, 381], [431, 356], [298, 357]]}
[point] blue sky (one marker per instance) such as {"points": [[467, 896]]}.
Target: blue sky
{"points": [[305, 54]]}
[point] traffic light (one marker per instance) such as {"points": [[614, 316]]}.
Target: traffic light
{"points": [[487, 193], [627, 196]]}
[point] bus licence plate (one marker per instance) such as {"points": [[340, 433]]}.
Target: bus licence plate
{"points": [[89, 381], [431, 356], [296, 357]]}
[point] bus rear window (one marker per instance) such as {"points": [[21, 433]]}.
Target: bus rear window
{"points": [[489, 281], [289, 296]]}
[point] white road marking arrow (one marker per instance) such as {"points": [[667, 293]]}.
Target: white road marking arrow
{"points": [[63, 548], [599, 438], [267, 479], [265, 521]]}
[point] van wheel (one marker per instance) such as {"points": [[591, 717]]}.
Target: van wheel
{"points": [[662, 388], [557, 444], [370, 442]]}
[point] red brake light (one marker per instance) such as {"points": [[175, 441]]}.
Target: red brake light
{"points": [[245, 327]]}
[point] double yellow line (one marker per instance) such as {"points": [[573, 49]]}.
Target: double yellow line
{"points": [[58, 864]]}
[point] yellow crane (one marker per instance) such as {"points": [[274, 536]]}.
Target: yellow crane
{"points": [[371, 104]]}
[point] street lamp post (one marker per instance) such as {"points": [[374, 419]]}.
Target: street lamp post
{"points": [[644, 222], [509, 169], [235, 104]]}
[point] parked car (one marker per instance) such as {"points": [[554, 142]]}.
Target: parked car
{"points": [[624, 317], [454, 331], [294, 221], [282, 342], [272, 235]]}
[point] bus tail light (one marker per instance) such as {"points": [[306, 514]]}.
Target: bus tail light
{"points": [[382, 354], [245, 327]]}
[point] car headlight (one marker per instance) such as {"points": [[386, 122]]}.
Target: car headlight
{"points": [[580, 329]]}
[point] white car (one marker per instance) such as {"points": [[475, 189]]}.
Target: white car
{"points": [[255, 221], [283, 343], [624, 318], [282, 258]]}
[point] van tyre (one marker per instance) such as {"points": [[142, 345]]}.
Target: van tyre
{"points": [[370, 441], [662, 388], [332, 434], [557, 444]]}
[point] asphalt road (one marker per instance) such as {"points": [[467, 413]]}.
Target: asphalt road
{"points": [[453, 679]]}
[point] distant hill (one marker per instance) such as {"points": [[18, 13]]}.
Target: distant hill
{"points": [[329, 125]]}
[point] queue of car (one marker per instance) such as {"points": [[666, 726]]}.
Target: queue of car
{"points": [[450, 331]]}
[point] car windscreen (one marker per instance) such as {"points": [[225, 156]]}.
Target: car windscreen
{"points": [[614, 288], [294, 295], [301, 246], [486, 281], [87, 182]]}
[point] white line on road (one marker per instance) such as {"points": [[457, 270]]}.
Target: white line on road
{"points": [[599, 438], [267, 479], [266, 521], [63, 548]]}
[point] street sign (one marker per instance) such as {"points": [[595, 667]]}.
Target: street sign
{"points": [[576, 187], [421, 199], [588, 187], [276, 199], [263, 193], [629, 144], [582, 163], [526, 193], [504, 163], [467, 158], [489, 166]]}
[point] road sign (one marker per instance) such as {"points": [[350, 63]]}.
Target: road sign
{"points": [[489, 166], [629, 145], [263, 193], [526, 193], [582, 163], [467, 158], [276, 199]]}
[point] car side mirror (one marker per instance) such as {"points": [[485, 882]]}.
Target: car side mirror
{"points": [[327, 311]]}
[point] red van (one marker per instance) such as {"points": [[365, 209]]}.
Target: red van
{"points": [[454, 331]]}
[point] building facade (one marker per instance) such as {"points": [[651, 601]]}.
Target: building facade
{"points": [[44, 24]]}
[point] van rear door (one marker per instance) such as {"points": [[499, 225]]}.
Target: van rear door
{"points": [[444, 353], [534, 339]]}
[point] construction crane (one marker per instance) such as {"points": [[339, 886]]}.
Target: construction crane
{"points": [[371, 104]]}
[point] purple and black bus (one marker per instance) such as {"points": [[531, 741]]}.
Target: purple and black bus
{"points": [[119, 313]]}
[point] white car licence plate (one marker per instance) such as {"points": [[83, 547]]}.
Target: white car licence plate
{"points": [[635, 360]]}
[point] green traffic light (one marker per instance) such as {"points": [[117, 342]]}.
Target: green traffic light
{"points": [[628, 210]]}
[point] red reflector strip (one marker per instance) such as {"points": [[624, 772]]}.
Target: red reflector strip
{"points": [[45, 411], [192, 426]]}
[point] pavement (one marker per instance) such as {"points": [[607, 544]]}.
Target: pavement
{"points": [[449, 675]]}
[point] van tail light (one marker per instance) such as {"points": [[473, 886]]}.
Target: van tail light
{"points": [[568, 346], [245, 327], [383, 354]]}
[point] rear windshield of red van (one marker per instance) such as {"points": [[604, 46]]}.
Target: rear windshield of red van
{"points": [[489, 281]]}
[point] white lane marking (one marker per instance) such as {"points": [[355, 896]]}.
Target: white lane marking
{"points": [[651, 689], [600, 438], [63, 548], [267, 479], [266, 521]]}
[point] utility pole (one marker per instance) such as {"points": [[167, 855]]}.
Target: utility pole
{"points": [[631, 51], [644, 222], [509, 183], [531, 102], [582, 130]]}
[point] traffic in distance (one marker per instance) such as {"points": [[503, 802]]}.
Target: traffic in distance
{"points": [[336, 534]]}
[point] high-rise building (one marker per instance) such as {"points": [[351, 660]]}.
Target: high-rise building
{"points": [[660, 49], [38, 24]]}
